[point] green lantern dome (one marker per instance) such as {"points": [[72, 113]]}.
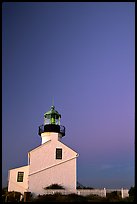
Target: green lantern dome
{"points": [[53, 116]]}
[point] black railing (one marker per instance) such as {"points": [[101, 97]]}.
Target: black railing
{"points": [[52, 128], [62, 130], [41, 129]]}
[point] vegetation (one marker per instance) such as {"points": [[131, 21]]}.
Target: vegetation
{"points": [[132, 192], [58, 197], [84, 187], [80, 186], [54, 186], [12, 196]]}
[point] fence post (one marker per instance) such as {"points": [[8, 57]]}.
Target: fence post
{"points": [[27, 196], [105, 192], [122, 193]]}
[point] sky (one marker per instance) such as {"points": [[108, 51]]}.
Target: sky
{"points": [[83, 55]]}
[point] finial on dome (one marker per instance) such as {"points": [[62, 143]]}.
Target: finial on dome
{"points": [[53, 102]]}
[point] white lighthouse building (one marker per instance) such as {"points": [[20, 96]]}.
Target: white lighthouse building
{"points": [[50, 163]]}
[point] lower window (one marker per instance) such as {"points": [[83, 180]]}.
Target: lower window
{"points": [[20, 176]]}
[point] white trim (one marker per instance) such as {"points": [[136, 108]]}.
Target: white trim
{"points": [[39, 146]]}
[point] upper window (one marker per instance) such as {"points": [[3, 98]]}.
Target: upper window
{"points": [[20, 176], [58, 153]]}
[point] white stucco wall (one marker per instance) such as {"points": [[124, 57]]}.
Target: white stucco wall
{"points": [[13, 185], [45, 169], [63, 174]]}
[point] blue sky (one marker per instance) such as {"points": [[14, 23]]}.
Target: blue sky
{"points": [[83, 55]]}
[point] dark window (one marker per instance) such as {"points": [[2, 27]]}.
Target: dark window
{"points": [[20, 176], [58, 153]]}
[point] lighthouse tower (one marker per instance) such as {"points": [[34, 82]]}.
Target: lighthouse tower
{"points": [[51, 127]]}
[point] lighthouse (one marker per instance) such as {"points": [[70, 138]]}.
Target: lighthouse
{"points": [[52, 162]]}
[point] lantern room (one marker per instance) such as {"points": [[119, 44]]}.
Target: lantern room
{"points": [[52, 122]]}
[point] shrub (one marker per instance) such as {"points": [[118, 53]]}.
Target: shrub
{"points": [[95, 198], [12, 196], [114, 196], [54, 186], [132, 191], [131, 194], [75, 198]]}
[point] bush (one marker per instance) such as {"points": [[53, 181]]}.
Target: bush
{"points": [[95, 198], [54, 186], [12, 196], [57, 197], [75, 198], [114, 196], [132, 192]]}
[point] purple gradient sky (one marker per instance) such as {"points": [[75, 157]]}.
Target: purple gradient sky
{"points": [[83, 54]]}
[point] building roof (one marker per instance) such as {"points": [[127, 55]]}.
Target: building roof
{"points": [[44, 144]]}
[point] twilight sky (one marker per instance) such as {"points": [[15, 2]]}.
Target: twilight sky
{"points": [[83, 55]]}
